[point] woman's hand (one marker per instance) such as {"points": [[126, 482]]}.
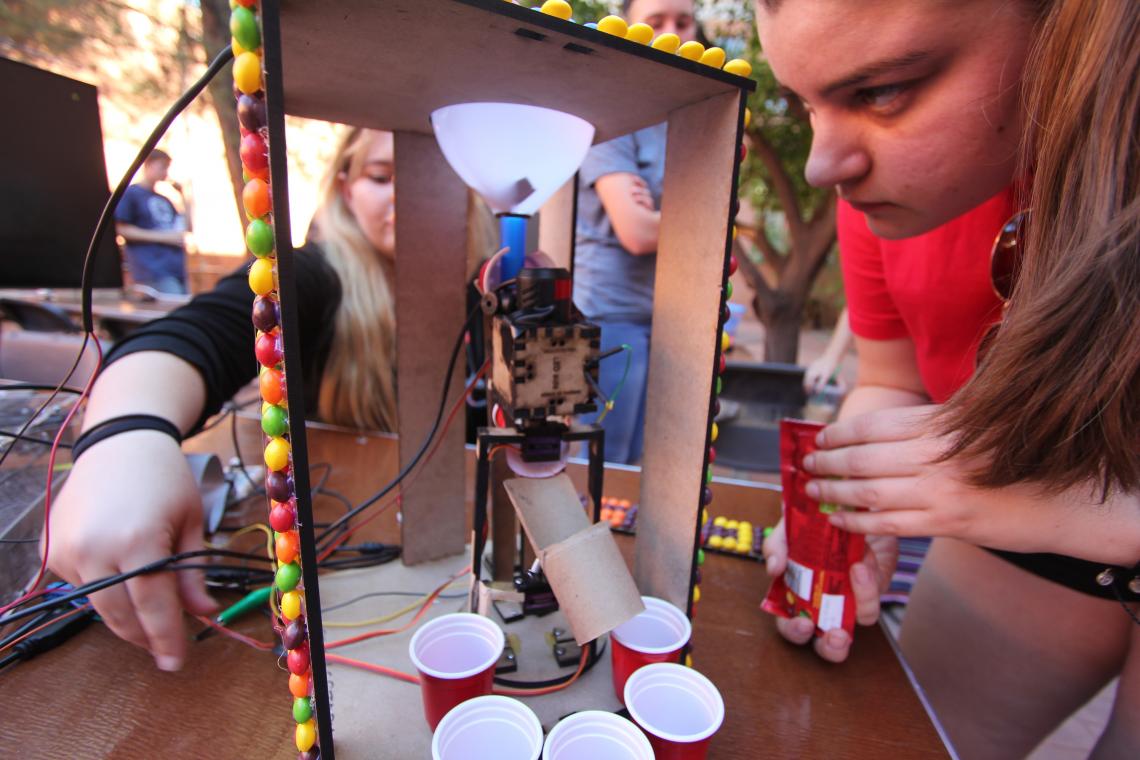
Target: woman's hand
{"points": [[886, 462], [869, 579], [131, 500]]}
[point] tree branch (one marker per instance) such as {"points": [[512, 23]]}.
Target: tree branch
{"points": [[771, 254], [781, 183]]}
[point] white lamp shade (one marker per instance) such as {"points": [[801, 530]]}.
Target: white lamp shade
{"points": [[515, 156]]}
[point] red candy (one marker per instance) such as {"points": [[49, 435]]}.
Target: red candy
{"points": [[254, 154], [282, 518], [298, 660], [732, 265], [268, 349]]}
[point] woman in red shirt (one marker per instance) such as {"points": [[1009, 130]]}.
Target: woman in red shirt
{"points": [[918, 121]]}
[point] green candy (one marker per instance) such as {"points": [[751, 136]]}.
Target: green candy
{"points": [[302, 709], [275, 422], [708, 474], [700, 556], [243, 26], [288, 576], [259, 238], [728, 289], [719, 384]]}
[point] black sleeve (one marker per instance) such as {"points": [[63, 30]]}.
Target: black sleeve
{"points": [[214, 332]]}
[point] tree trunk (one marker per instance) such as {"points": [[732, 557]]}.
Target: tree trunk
{"points": [[216, 36], [781, 316]]}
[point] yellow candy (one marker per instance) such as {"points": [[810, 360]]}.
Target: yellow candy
{"points": [[729, 544], [277, 454], [715, 433], [688, 661], [725, 341], [704, 516], [247, 72], [261, 277], [715, 542], [306, 735], [720, 521], [559, 8], [732, 524], [696, 594], [640, 33], [739, 66], [745, 525], [747, 117], [291, 605], [614, 25], [734, 232], [714, 57], [237, 48], [667, 43], [691, 50]]}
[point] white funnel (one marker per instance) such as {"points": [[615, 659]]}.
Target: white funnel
{"points": [[515, 156]]}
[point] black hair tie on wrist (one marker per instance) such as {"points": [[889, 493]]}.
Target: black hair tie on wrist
{"points": [[124, 424]]}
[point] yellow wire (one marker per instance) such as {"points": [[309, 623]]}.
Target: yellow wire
{"points": [[391, 616]]}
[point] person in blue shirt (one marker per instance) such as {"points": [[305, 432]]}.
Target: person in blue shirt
{"points": [[615, 255], [154, 230]]}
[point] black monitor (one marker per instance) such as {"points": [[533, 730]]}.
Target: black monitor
{"points": [[53, 181]]}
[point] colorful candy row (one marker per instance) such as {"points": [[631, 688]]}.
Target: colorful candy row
{"points": [[642, 34], [269, 350]]}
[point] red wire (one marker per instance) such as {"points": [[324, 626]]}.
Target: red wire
{"points": [[31, 592], [415, 619], [374, 668], [262, 645]]}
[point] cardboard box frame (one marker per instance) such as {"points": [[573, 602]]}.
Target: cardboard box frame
{"points": [[317, 57]]}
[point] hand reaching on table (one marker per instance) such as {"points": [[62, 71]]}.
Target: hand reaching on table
{"points": [[129, 501]]}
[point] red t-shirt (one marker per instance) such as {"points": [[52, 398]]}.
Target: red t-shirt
{"points": [[934, 288]]}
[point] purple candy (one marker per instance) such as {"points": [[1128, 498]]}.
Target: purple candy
{"points": [[294, 634], [279, 486], [265, 316], [251, 112]]}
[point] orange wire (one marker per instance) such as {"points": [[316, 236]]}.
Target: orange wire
{"points": [[548, 689], [39, 628]]}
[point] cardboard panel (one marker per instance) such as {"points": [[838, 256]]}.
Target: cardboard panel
{"points": [[389, 65], [556, 224], [430, 308], [691, 263]]}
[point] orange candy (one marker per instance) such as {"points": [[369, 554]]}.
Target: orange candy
{"points": [[255, 198], [287, 546], [272, 387], [299, 685]]}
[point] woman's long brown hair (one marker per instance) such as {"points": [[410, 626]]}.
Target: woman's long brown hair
{"points": [[1057, 399]]}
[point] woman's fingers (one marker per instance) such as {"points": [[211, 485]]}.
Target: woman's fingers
{"points": [[115, 607], [897, 424], [159, 611], [775, 549]]}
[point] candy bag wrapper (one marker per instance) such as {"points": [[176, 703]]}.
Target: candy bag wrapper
{"points": [[817, 581]]}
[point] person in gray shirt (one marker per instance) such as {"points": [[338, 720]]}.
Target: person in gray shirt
{"points": [[615, 256]]}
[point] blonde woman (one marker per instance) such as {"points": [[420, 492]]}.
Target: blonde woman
{"points": [[130, 498]]}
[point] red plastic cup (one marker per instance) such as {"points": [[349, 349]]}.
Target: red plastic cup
{"points": [[655, 635], [678, 708], [488, 728], [596, 735], [456, 656]]}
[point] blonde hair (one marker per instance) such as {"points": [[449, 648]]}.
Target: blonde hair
{"points": [[358, 388]]}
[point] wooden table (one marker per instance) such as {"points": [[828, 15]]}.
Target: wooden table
{"points": [[97, 697]]}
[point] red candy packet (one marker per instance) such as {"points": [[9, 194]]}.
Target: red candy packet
{"points": [[817, 581]]}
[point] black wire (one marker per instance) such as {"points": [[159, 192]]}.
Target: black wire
{"points": [[19, 540], [89, 588], [222, 58], [362, 597], [1124, 604], [423, 447], [30, 439]]}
